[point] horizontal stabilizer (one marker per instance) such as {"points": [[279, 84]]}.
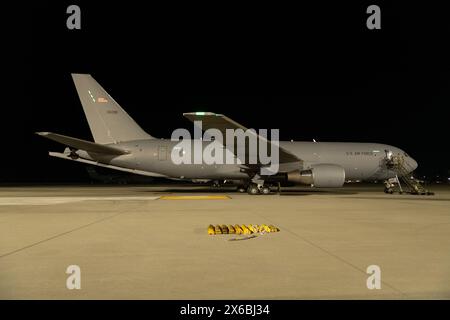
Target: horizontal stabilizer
{"points": [[104, 165], [82, 144]]}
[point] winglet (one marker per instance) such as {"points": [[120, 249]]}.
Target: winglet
{"points": [[201, 113], [43, 133]]}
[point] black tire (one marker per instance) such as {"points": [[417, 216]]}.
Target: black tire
{"points": [[265, 190], [253, 189]]}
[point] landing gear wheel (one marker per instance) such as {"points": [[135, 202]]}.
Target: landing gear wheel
{"points": [[253, 189], [388, 190], [265, 190]]}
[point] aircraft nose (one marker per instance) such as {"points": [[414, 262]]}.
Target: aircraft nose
{"points": [[412, 164]]}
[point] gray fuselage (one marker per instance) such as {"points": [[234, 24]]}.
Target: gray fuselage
{"points": [[361, 161]]}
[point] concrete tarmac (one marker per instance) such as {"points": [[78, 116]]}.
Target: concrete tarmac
{"points": [[129, 244]]}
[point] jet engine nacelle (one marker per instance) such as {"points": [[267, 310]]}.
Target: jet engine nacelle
{"points": [[320, 176]]}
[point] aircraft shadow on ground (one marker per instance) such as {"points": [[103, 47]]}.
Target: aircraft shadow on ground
{"points": [[294, 192], [284, 192], [187, 190]]}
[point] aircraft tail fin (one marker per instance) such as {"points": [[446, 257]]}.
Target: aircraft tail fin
{"points": [[108, 122]]}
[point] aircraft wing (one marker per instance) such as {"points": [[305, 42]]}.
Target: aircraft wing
{"points": [[82, 144], [219, 121]]}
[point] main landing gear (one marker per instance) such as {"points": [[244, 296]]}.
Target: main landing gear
{"points": [[254, 189]]}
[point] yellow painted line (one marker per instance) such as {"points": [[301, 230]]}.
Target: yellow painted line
{"points": [[195, 198]]}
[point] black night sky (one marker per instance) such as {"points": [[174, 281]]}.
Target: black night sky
{"points": [[313, 71]]}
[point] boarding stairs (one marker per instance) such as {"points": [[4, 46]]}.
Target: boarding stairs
{"points": [[412, 185]]}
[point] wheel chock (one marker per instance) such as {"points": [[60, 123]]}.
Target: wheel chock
{"points": [[224, 229], [273, 228], [241, 229], [245, 230]]}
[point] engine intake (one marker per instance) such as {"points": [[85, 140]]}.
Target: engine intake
{"points": [[320, 176]]}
